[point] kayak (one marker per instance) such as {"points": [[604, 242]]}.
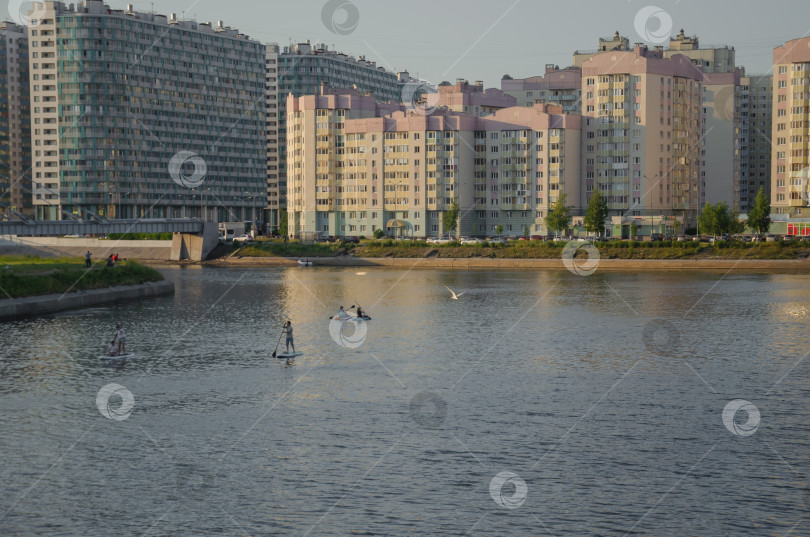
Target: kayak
{"points": [[350, 318]]}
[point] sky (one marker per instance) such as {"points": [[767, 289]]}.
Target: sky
{"points": [[439, 40]]}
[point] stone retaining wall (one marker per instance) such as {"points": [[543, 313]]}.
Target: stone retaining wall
{"points": [[17, 308]]}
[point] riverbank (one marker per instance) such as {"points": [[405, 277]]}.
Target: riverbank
{"points": [[629, 265], [19, 308], [23, 276], [618, 250]]}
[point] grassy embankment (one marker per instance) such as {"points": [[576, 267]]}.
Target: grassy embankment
{"points": [[27, 276], [534, 250]]}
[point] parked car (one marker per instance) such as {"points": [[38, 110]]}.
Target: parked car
{"points": [[496, 240], [681, 238], [471, 241], [243, 238], [354, 240], [536, 238], [771, 238], [656, 237]]}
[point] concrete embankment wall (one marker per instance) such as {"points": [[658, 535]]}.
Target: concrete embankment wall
{"points": [[100, 248], [17, 308], [636, 265]]}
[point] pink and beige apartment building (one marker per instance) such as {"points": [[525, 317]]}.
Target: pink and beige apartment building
{"points": [[357, 167], [790, 158], [642, 122]]}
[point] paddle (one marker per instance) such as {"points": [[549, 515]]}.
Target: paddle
{"points": [[279, 340]]}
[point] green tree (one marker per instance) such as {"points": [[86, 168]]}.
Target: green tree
{"points": [[735, 225], [707, 219], [714, 219], [559, 217], [498, 230], [633, 231], [596, 214], [676, 226], [525, 231], [379, 233], [759, 217], [450, 218], [282, 225]]}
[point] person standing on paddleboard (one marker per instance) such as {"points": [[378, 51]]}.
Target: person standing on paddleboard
{"points": [[122, 339], [288, 330]]}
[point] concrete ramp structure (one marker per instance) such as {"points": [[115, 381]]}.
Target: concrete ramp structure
{"points": [[195, 246]]}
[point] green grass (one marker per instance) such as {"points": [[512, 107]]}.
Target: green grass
{"points": [[141, 236], [534, 250], [28, 279]]}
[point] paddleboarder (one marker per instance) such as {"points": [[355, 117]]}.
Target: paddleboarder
{"points": [[288, 330]]}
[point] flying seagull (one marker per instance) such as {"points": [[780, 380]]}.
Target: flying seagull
{"points": [[455, 296]]}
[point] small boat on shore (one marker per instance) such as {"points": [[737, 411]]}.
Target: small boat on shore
{"points": [[304, 263]]}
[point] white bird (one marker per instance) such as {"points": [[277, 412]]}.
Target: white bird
{"points": [[455, 296]]}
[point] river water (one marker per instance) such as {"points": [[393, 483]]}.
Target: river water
{"points": [[539, 403]]}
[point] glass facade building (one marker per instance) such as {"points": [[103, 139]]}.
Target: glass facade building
{"points": [[139, 115]]}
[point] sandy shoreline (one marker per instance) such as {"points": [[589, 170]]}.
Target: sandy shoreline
{"points": [[768, 265]]}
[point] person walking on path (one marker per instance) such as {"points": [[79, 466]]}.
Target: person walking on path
{"points": [[288, 330], [87, 256]]}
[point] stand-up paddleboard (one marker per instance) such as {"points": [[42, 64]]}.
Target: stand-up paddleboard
{"points": [[289, 354], [118, 357]]}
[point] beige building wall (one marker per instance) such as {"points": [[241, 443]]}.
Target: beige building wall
{"points": [[356, 167], [790, 159], [641, 132]]}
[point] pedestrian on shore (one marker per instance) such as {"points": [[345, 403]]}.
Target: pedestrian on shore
{"points": [[110, 262], [122, 339], [288, 330], [87, 256]]}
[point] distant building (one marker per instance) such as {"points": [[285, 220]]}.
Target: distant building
{"points": [[357, 166], [722, 136], [139, 115], [15, 120], [790, 157], [642, 133], [617, 43], [562, 87], [756, 105], [473, 100], [300, 70]]}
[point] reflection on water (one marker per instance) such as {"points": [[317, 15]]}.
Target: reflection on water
{"points": [[604, 394]]}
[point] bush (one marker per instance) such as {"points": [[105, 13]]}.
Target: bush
{"points": [[379, 233], [140, 236], [388, 243]]}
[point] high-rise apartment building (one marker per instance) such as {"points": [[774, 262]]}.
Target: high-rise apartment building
{"points": [[722, 137], [641, 133], [299, 70], [790, 157], [473, 100], [562, 87], [141, 115], [356, 166], [15, 120], [756, 111]]}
